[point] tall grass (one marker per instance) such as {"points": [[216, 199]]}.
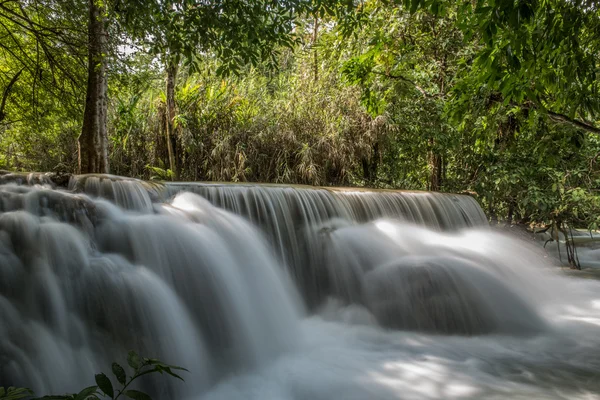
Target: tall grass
{"points": [[284, 128]]}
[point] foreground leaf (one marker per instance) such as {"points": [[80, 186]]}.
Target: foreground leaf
{"points": [[137, 395], [119, 373], [105, 385]]}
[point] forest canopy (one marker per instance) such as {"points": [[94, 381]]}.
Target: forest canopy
{"points": [[494, 98]]}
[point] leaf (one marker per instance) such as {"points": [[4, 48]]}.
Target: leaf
{"points": [[137, 395], [13, 393], [161, 369], [414, 6], [435, 8], [86, 393], [105, 385], [134, 360], [154, 361], [119, 373]]}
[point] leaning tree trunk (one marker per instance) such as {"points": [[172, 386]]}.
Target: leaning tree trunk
{"points": [[7, 92], [170, 116], [93, 141]]}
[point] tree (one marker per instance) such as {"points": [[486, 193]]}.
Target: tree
{"points": [[406, 66], [42, 78], [540, 55], [237, 32], [41, 48], [93, 142]]}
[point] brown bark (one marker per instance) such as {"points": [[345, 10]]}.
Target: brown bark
{"points": [[314, 43], [93, 141], [170, 116], [370, 166], [435, 162]]}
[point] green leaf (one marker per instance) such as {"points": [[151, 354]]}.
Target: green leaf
{"points": [[13, 393], [119, 373], [414, 6], [105, 385], [134, 360], [87, 393], [154, 361], [137, 395], [161, 369], [435, 8]]}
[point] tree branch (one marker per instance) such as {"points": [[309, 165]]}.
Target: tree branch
{"points": [[557, 117], [7, 91], [579, 124]]}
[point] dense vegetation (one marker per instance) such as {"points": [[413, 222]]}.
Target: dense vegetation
{"points": [[496, 98]]}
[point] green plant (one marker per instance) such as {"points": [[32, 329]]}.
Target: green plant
{"points": [[159, 173], [104, 387], [13, 393]]}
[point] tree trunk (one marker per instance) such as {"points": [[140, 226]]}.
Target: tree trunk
{"points": [[170, 116], [370, 166], [511, 212], [492, 212], [93, 141], [314, 44], [435, 161]]}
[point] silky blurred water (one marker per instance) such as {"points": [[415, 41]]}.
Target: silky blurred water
{"points": [[271, 292]]}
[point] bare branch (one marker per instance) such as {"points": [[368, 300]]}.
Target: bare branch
{"points": [[7, 91]]}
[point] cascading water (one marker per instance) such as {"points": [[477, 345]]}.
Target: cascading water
{"points": [[200, 289], [288, 215], [410, 295]]}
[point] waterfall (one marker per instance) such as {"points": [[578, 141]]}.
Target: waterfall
{"points": [[413, 278], [282, 292], [277, 207], [78, 292], [288, 215]]}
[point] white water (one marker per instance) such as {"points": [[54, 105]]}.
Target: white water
{"points": [[397, 311]]}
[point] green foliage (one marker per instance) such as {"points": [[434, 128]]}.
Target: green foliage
{"points": [[43, 46], [44, 43], [237, 32], [13, 393], [282, 127], [104, 386], [465, 84], [160, 174], [498, 99], [543, 54]]}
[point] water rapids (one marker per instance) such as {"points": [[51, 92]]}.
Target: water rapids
{"points": [[274, 292]]}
